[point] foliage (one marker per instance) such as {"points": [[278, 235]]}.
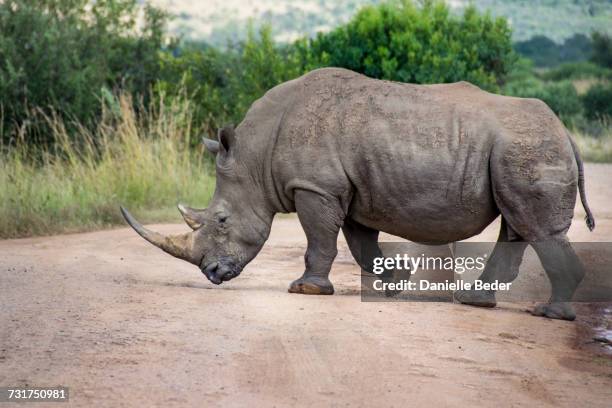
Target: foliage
{"points": [[576, 70], [262, 65], [598, 101], [140, 160], [602, 49], [557, 19], [203, 75], [62, 63], [65, 56], [546, 53], [561, 96], [224, 83], [584, 115], [63, 53], [558, 87], [402, 42]]}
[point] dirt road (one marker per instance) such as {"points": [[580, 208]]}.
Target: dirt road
{"points": [[123, 324]]}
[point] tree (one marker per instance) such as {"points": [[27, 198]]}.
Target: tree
{"points": [[60, 54], [602, 49], [546, 53], [598, 102], [262, 66], [399, 41], [224, 83]]}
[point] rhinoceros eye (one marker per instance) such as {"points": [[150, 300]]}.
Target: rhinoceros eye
{"points": [[222, 219]]}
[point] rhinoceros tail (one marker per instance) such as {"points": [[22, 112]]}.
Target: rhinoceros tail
{"points": [[590, 220]]}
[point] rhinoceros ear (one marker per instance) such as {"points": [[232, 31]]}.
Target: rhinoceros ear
{"points": [[226, 136], [211, 145]]}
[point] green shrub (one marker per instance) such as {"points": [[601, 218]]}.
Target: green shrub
{"points": [[261, 66], [561, 97], [521, 80], [224, 83], [61, 54], [602, 49], [598, 101], [577, 70], [203, 76], [428, 44], [545, 52]]}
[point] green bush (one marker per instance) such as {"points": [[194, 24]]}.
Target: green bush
{"points": [[65, 56], [63, 53], [224, 83], [561, 97], [261, 66], [203, 75], [522, 70], [598, 102], [576, 70], [400, 41], [544, 52], [602, 49], [525, 87]]}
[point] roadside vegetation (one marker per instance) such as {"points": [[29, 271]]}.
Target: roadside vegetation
{"points": [[141, 160], [99, 106]]}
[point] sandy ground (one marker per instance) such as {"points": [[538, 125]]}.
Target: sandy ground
{"points": [[122, 324]]}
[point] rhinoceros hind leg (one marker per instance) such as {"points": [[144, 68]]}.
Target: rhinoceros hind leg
{"points": [[502, 266], [565, 273], [555, 310], [537, 199], [362, 242]]}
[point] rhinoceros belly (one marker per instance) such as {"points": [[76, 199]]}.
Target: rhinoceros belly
{"points": [[424, 189]]}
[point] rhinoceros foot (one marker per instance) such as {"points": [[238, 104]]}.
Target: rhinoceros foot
{"points": [[555, 310], [312, 285], [481, 298]]}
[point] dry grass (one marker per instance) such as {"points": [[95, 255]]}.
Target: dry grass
{"points": [[595, 149], [141, 161], [583, 85]]}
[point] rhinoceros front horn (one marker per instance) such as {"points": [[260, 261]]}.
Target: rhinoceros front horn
{"points": [[180, 246]]}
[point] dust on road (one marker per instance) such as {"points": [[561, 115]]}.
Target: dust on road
{"points": [[122, 324]]}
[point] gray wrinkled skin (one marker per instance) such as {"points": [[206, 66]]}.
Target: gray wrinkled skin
{"points": [[428, 163]]}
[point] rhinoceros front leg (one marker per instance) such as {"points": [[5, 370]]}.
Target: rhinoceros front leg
{"points": [[321, 217]]}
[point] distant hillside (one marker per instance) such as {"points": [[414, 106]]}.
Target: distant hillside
{"points": [[218, 21]]}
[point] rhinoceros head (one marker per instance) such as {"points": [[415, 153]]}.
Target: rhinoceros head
{"points": [[231, 231]]}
